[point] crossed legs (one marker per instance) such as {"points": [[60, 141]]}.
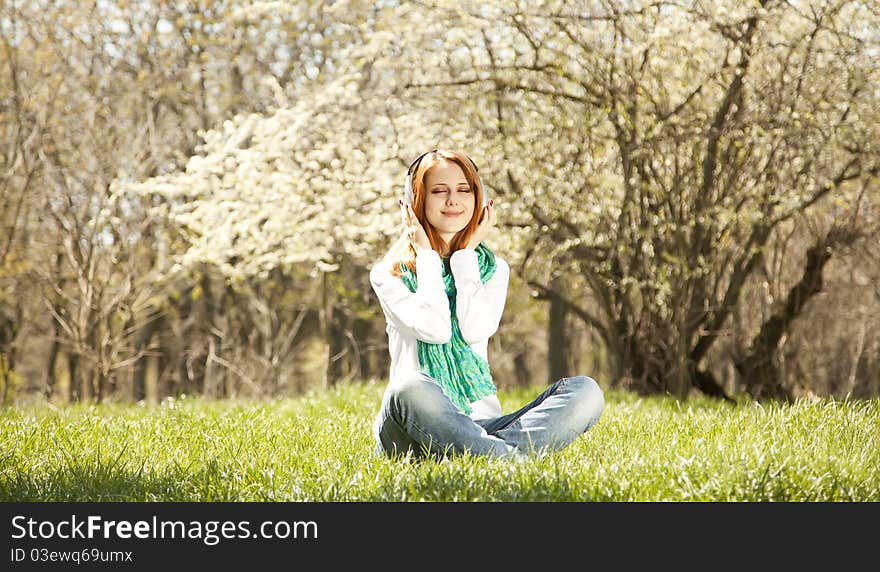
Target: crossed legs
{"points": [[417, 416]]}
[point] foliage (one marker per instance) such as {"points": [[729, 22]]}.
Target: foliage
{"points": [[665, 169], [678, 138]]}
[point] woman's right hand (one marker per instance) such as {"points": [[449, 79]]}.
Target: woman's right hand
{"points": [[413, 230]]}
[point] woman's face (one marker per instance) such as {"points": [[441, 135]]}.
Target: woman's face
{"points": [[449, 200]]}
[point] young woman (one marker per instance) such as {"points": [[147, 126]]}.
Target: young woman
{"points": [[443, 291]]}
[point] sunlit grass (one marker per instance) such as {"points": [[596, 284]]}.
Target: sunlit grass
{"points": [[319, 448]]}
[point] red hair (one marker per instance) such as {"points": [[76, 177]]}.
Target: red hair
{"points": [[463, 236]]}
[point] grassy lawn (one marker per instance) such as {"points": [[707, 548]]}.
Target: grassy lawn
{"points": [[318, 448]]}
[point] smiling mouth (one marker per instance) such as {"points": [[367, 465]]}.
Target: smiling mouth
{"points": [[454, 214]]}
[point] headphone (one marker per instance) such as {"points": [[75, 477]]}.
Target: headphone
{"points": [[410, 171]]}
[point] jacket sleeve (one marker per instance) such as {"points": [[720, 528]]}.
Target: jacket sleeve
{"points": [[478, 306], [423, 313]]}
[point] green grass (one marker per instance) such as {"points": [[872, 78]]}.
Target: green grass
{"points": [[318, 448]]}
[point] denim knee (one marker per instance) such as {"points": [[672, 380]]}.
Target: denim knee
{"points": [[414, 394], [588, 401]]}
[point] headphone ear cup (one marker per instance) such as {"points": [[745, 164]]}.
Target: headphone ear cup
{"points": [[407, 189]]}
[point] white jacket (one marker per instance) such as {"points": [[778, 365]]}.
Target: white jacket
{"points": [[424, 314]]}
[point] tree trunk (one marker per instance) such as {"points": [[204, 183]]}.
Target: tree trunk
{"points": [[758, 369], [558, 343], [334, 328], [361, 335], [5, 376], [214, 376], [324, 326], [50, 378], [75, 379], [94, 375], [138, 384], [180, 381], [521, 369], [205, 375], [337, 346], [8, 333]]}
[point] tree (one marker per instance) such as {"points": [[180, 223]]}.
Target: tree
{"points": [[646, 156], [684, 136]]}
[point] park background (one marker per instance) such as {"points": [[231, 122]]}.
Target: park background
{"points": [[192, 193]]}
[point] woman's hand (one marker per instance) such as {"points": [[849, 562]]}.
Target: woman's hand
{"points": [[413, 230], [486, 223]]}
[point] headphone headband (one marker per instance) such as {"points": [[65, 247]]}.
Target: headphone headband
{"points": [[410, 171]]}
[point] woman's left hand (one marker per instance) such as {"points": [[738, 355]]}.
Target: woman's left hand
{"points": [[486, 224]]}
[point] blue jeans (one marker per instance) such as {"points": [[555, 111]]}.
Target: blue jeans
{"points": [[416, 416]]}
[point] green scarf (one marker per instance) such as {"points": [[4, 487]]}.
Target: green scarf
{"points": [[462, 373]]}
